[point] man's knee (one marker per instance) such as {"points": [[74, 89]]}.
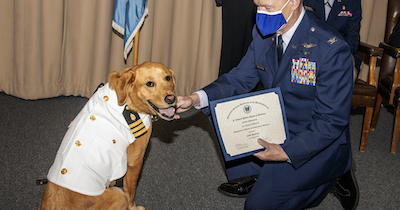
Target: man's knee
{"points": [[251, 204], [258, 203]]}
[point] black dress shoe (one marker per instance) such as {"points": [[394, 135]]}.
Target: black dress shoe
{"points": [[239, 188], [346, 190]]}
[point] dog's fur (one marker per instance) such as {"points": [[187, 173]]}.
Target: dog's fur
{"points": [[147, 88]]}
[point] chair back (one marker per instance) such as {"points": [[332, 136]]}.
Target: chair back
{"points": [[393, 12]]}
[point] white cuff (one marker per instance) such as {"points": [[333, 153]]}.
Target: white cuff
{"points": [[203, 99]]}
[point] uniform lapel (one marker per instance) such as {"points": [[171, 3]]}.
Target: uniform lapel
{"points": [[293, 49], [284, 67], [337, 7], [271, 56], [320, 10]]}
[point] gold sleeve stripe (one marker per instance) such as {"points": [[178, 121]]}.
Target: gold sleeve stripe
{"points": [[138, 128], [140, 132], [136, 123]]}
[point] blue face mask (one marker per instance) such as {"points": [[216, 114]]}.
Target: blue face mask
{"points": [[270, 22]]}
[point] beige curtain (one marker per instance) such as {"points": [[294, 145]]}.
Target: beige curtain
{"points": [[372, 26], [67, 47], [185, 36], [373, 21]]}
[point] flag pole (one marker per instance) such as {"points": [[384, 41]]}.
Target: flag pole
{"points": [[136, 48]]}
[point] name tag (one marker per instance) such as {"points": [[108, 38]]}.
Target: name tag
{"points": [[303, 71], [258, 66]]}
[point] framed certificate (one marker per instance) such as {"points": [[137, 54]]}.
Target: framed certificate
{"points": [[240, 120]]}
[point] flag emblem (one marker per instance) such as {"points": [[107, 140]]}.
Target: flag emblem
{"points": [[128, 17]]}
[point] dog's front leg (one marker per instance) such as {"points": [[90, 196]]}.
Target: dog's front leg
{"points": [[135, 153]]}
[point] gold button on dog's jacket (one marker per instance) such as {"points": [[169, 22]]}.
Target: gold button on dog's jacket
{"points": [[101, 155]]}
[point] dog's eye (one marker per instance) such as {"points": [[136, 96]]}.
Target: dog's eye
{"points": [[150, 84], [168, 78]]}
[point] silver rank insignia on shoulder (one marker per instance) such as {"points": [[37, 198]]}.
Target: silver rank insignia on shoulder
{"points": [[332, 40], [308, 46]]}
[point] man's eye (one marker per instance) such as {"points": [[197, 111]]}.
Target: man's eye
{"points": [[150, 84], [168, 78]]}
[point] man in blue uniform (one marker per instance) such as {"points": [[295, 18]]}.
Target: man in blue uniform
{"points": [[342, 15], [314, 73], [394, 38]]}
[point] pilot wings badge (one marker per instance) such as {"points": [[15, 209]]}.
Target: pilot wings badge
{"points": [[308, 46]]}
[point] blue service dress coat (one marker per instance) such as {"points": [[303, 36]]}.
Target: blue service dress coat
{"points": [[315, 78], [345, 17]]}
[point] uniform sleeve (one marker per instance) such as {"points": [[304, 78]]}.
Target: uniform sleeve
{"points": [[352, 33], [394, 38]]}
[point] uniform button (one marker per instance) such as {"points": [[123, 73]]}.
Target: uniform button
{"points": [[92, 117], [64, 171], [113, 141], [78, 143], [312, 29], [105, 98]]}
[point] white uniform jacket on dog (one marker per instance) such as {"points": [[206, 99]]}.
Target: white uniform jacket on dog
{"points": [[93, 151]]}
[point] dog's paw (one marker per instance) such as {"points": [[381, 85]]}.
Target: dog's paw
{"points": [[134, 207], [137, 208]]}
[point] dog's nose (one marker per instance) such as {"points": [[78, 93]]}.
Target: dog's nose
{"points": [[170, 99]]}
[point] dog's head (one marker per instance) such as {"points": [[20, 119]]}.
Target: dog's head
{"points": [[146, 88]]}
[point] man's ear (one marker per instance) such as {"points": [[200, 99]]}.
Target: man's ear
{"points": [[295, 4]]}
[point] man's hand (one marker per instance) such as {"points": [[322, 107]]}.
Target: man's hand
{"points": [[184, 103], [272, 152]]}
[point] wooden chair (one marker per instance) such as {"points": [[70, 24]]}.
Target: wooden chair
{"points": [[389, 75], [364, 92]]}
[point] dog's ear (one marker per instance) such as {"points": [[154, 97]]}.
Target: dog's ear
{"points": [[119, 83], [112, 78]]}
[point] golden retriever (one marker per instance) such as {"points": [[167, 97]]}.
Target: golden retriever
{"points": [[147, 89]]}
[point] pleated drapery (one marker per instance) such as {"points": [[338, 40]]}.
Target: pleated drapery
{"points": [[50, 48], [185, 36]]}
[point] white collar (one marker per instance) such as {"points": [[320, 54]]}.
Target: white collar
{"points": [[330, 2], [287, 36]]}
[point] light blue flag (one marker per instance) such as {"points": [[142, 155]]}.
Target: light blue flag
{"points": [[128, 17]]}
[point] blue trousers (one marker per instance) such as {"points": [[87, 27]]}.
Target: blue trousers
{"points": [[262, 196]]}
